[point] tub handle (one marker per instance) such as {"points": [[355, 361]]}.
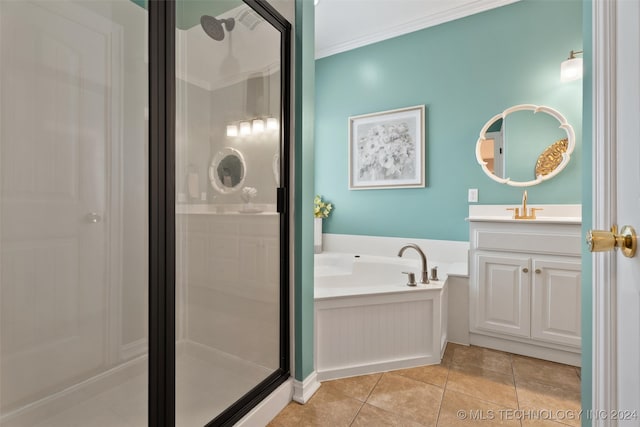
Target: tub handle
{"points": [[434, 274], [411, 279]]}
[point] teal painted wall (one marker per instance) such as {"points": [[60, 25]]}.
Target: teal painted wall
{"points": [[304, 187], [587, 217], [465, 72]]}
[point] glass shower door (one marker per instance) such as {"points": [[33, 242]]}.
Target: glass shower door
{"points": [[228, 235], [73, 213]]}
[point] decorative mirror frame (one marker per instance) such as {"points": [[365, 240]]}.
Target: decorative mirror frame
{"points": [[216, 183], [566, 156], [275, 165]]}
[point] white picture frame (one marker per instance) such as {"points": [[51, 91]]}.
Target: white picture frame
{"points": [[387, 149]]}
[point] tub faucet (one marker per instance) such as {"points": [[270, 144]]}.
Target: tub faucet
{"points": [[425, 270]]}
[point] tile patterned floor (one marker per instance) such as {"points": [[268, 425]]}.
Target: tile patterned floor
{"points": [[472, 386]]}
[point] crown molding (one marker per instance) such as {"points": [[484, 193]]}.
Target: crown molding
{"points": [[421, 23]]}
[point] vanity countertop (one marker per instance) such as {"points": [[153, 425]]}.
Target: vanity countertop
{"points": [[540, 219], [226, 210], [550, 214]]}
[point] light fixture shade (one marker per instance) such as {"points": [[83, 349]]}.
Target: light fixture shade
{"points": [[258, 126], [232, 130], [571, 69], [245, 128], [272, 123]]}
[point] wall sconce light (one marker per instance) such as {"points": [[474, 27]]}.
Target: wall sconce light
{"points": [[571, 69], [272, 123], [245, 128], [255, 126], [232, 130], [258, 126]]}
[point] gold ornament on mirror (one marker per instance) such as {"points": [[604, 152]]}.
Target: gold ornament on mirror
{"points": [[551, 157]]}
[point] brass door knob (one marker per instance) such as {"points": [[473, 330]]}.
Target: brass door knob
{"points": [[602, 241]]}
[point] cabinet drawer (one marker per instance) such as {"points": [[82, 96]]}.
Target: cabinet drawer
{"points": [[553, 244]]}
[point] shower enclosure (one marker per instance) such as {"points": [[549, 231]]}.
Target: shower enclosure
{"points": [[144, 151]]}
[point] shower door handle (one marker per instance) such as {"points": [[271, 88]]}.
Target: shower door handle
{"points": [[93, 217]]}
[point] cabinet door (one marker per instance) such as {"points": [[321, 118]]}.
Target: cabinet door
{"points": [[503, 294], [555, 308]]}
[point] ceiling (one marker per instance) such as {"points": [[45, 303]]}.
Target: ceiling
{"points": [[343, 25], [252, 48]]}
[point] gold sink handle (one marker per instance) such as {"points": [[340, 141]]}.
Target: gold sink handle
{"points": [[602, 241], [518, 214]]}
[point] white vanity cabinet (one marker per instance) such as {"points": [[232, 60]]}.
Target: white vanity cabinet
{"points": [[228, 281], [525, 287], [234, 253], [555, 301], [503, 289]]}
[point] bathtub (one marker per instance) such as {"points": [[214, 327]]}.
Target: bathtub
{"points": [[368, 320]]}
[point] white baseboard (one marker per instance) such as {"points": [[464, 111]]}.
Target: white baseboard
{"points": [[372, 368], [271, 406], [303, 391], [525, 349]]}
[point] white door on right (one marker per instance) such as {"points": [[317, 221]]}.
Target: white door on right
{"points": [[628, 208]]}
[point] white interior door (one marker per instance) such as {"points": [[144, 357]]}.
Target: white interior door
{"points": [[628, 208], [53, 156], [616, 299]]}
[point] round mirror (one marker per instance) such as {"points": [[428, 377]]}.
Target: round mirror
{"points": [[525, 145], [227, 170]]}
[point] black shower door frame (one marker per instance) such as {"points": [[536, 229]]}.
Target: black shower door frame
{"points": [[162, 236]]}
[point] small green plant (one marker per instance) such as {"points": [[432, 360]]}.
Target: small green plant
{"points": [[321, 209]]}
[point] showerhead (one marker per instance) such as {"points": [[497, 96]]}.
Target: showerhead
{"points": [[213, 26]]}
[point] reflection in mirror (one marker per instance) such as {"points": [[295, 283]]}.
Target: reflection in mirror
{"points": [[492, 148], [510, 145], [526, 135], [227, 171], [230, 171]]}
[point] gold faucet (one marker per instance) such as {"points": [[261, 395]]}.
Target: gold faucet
{"points": [[524, 215]]}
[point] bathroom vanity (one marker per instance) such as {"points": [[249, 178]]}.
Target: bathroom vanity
{"points": [[228, 280], [525, 282], [524, 263]]}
